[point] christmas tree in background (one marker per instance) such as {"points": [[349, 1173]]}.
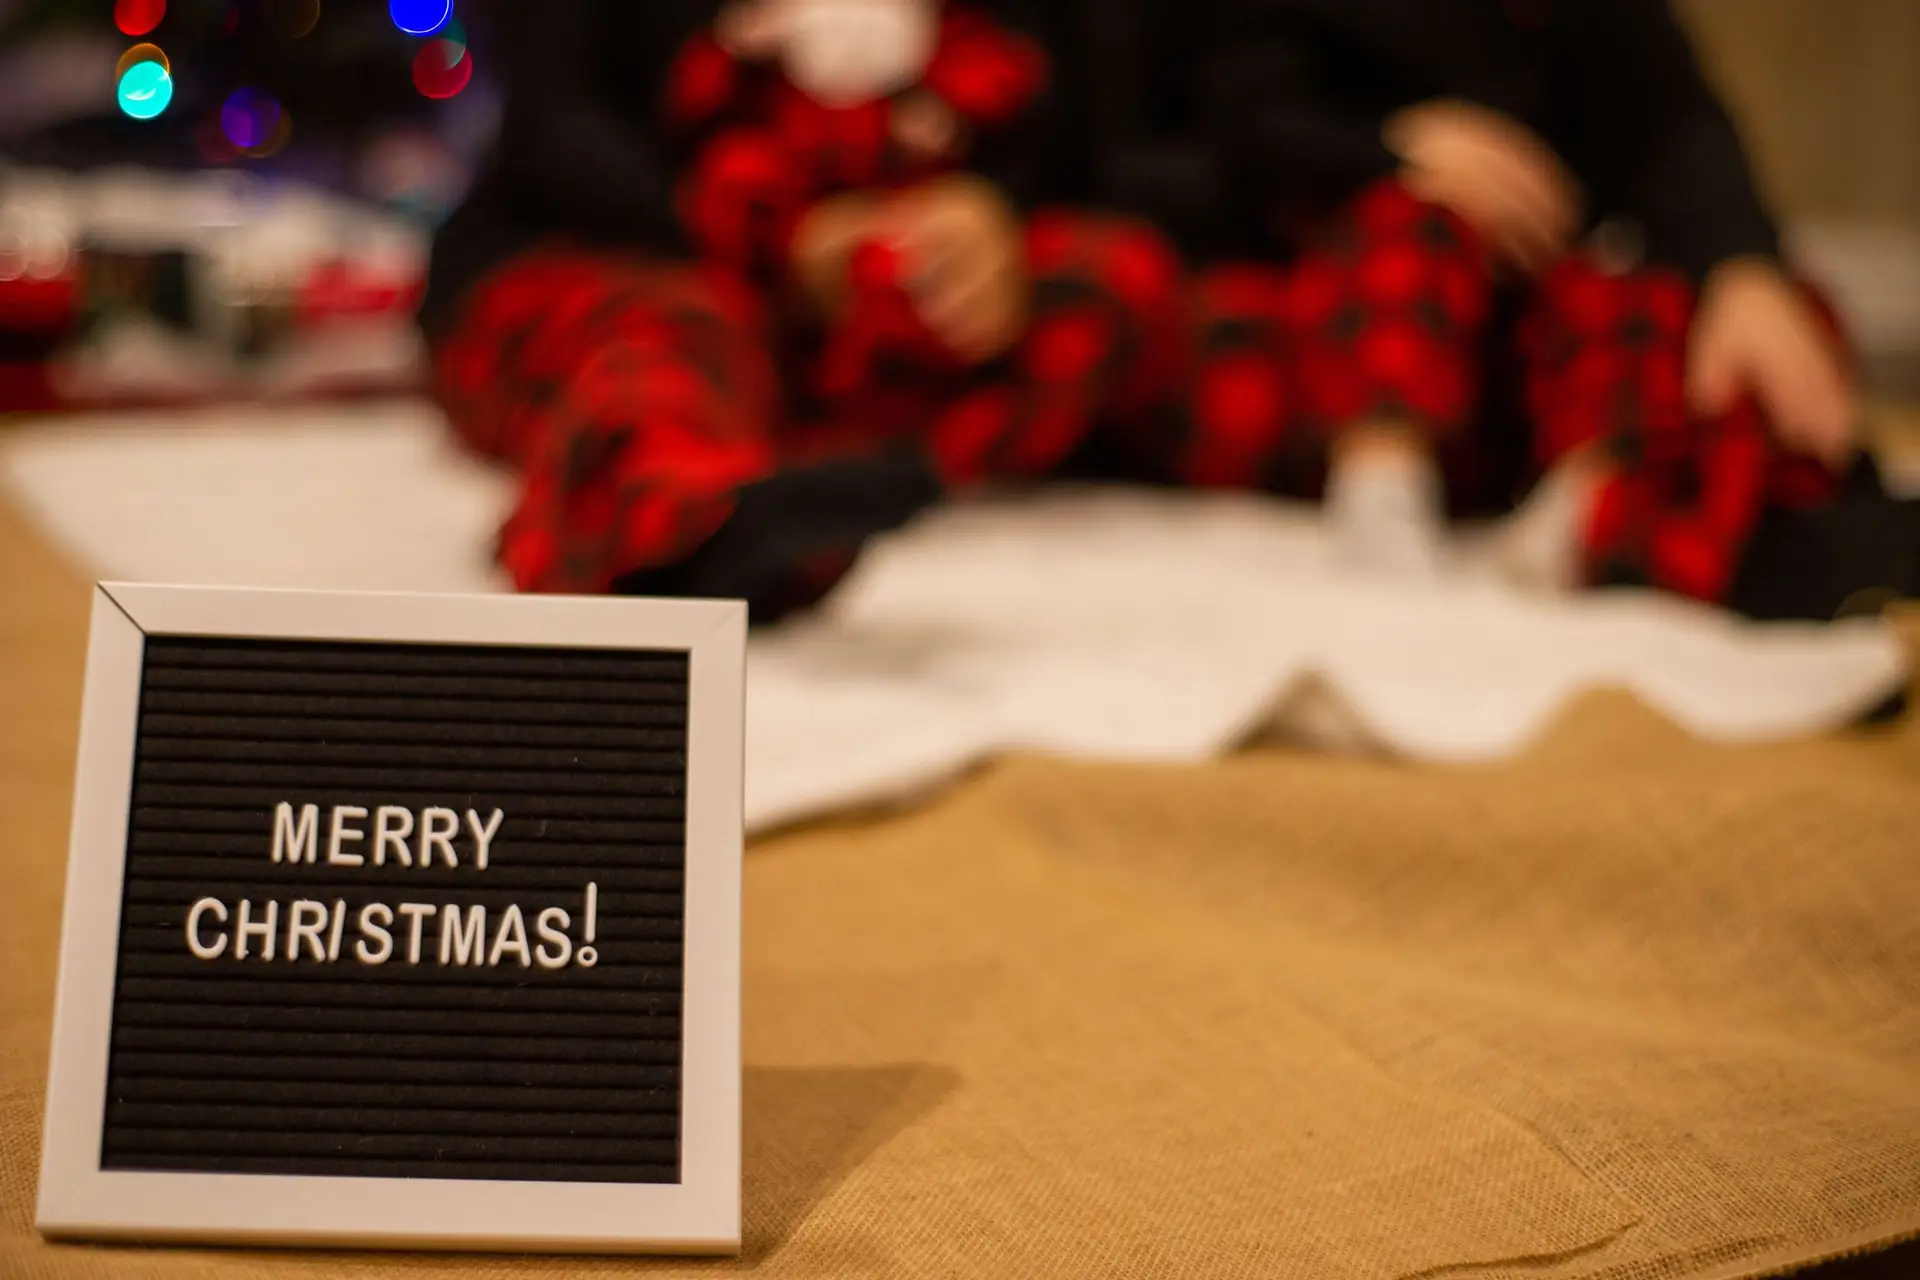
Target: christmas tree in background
{"points": [[172, 174], [378, 97]]}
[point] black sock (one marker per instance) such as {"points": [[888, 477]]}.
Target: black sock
{"points": [[789, 519], [1862, 549]]}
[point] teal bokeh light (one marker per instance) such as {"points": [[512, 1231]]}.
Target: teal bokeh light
{"points": [[145, 90]]}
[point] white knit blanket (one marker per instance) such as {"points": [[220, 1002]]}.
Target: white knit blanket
{"points": [[1100, 623]]}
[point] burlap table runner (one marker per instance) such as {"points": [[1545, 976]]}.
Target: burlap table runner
{"points": [[1632, 1008]]}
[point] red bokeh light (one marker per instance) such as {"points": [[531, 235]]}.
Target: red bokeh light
{"points": [[442, 68], [138, 17]]}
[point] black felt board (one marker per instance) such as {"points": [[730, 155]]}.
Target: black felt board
{"points": [[443, 1070]]}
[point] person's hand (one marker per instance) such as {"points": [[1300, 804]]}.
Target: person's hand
{"points": [[1494, 172], [1755, 332], [823, 245], [925, 127], [965, 262], [751, 30]]}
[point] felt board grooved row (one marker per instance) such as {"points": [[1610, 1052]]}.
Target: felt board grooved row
{"points": [[332, 1071], [327, 1063], [423, 1021], [203, 751], [232, 774], [663, 1124], [243, 655], [657, 1044], [408, 686], [448, 1147], [217, 728], [632, 977], [246, 801], [314, 994], [362, 1167], [156, 768], [391, 710], [646, 880], [644, 1099]]}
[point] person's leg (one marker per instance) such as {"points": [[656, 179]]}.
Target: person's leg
{"points": [[1101, 345], [640, 403], [1236, 427], [1384, 314], [517, 339], [1854, 554], [1339, 375], [1638, 490]]}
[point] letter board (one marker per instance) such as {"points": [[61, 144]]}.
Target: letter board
{"points": [[402, 920]]}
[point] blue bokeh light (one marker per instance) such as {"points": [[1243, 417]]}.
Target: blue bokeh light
{"points": [[420, 17]]}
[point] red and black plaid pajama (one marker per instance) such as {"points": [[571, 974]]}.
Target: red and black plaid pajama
{"points": [[637, 399], [1383, 316], [760, 151], [1102, 330], [1605, 360], [1380, 316], [632, 397]]}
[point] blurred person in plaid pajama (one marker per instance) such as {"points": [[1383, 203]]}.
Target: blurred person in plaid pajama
{"points": [[746, 284], [1406, 195]]}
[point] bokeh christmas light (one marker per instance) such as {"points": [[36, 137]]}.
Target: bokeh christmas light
{"points": [[249, 118], [442, 68], [420, 17], [138, 17], [142, 53], [145, 90]]}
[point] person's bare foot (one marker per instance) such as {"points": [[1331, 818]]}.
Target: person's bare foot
{"points": [[1384, 507], [1537, 548]]}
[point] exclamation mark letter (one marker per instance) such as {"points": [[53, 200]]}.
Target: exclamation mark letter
{"points": [[588, 956]]}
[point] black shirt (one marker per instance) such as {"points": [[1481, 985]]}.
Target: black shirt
{"points": [[1216, 112]]}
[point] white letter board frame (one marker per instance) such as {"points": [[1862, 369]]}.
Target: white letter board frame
{"points": [[699, 1214]]}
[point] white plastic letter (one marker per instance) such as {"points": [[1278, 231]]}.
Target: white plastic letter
{"points": [[340, 831], [339, 923], [199, 948], [511, 936], [290, 841], [307, 920], [247, 929], [370, 929], [391, 826], [437, 829], [416, 913], [463, 940], [552, 925], [483, 836]]}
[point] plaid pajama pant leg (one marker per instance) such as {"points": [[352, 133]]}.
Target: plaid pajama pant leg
{"points": [[1605, 359], [638, 400], [1385, 311], [635, 399], [1380, 317]]}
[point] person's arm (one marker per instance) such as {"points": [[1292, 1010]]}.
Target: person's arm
{"points": [[571, 158], [1688, 178]]}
